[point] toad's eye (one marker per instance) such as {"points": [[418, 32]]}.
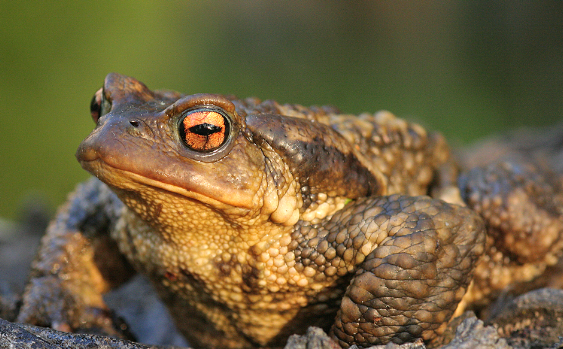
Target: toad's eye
{"points": [[99, 106], [204, 130]]}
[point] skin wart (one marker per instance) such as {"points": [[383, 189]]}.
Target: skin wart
{"points": [[255, 220]]}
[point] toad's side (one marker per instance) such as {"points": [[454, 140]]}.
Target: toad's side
{"points": [[255, 220]]}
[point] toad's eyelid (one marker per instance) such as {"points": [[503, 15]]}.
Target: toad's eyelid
{"points": [[197, 100]]}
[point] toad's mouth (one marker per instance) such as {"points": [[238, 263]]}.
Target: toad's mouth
{"points": [[122, 179]]}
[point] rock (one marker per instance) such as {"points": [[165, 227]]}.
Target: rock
{"points": [[472, 333], [315, 338], [532, 320], [21, 336]]}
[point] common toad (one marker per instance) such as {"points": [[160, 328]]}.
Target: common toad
{"points": [[255, 220]]}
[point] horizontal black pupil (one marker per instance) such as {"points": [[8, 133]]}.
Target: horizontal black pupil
{"points": [[205, 129]]}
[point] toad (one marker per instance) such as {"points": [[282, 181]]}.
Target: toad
{"points": [[255, 220]]}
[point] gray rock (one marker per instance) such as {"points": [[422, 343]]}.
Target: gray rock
{"points": [[472, 333], [19, 336], [532, 320]]}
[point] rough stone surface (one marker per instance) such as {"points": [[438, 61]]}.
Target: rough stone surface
{"points": [[31, 337], [472, 333], [315, 338], [533, 320]]}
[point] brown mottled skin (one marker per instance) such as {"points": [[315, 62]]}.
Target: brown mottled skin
{"points": [[255, 220]]}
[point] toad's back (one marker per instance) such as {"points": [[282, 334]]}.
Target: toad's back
{"points": [[405, 154]]}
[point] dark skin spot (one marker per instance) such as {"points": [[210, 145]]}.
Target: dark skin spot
{"points": [[250, 277]]}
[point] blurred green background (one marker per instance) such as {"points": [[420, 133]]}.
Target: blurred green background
{"points": [[466, 68]]}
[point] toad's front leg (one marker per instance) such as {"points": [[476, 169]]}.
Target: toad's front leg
{"points": [[76, 263], [415, 260]]}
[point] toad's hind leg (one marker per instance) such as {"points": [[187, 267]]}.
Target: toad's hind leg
{"points": [[409, 285], [521, 200]]}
